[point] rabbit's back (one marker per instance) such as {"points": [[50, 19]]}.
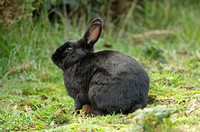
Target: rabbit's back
{"points": [[114, 63], [118, 82]]}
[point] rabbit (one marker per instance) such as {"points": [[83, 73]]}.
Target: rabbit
{"points": [[109, 81]]}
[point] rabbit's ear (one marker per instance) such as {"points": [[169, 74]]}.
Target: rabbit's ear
{"points": [[93, 31]]}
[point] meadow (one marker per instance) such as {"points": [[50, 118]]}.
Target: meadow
{"points": [[165, 40]]}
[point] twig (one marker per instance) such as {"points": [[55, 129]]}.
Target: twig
{"points": [[133, 5], [152, 33], [187, 87], [24, 66], [192, 109]]}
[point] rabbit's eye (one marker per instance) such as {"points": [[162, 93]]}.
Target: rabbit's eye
{"points": [[69, 49]]}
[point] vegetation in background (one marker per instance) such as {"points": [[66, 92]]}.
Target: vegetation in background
{"points": [[164, 36]]}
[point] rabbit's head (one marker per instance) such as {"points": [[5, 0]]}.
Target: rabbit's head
{"points": [[71, 51]]}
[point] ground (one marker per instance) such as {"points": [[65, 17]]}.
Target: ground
{"points": [[33, 97]]}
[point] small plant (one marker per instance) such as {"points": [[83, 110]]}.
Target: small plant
{"points": [[153, 51], [61, 116], [151, 119]]}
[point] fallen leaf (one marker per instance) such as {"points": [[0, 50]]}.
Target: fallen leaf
{"points": [[92, 130], [37, 116], [168, 69], [16, 128], [24, 128], [15, 107], [193, 107], [180, 69], [75, 114], [27, 108], [81, 130], [86, 111], [45, 124], [154, 62]]}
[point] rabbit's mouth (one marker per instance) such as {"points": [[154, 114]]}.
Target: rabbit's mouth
{"points": [[56, 60]]}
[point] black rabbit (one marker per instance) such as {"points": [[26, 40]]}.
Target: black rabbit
{"points": [[109, 81]]}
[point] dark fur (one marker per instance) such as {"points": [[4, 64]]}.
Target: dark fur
{"points": [[109, 81]]}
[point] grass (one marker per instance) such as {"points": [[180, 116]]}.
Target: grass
{"points": [[33, 97]]}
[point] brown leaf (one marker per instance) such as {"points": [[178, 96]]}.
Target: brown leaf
{"points": [[87, 111], [168, 69], [75, 114], [15, 107], [154, 62], [92, 130], [180, 69], [45, 124], [27, 108], [37, 116], [16, 128], [81, 130]]}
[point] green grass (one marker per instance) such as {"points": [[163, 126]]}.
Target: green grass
{"points": [[34, 97]]}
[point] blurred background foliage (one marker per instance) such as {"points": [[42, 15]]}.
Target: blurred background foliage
{"points": [[120, 12], [127, 23]]}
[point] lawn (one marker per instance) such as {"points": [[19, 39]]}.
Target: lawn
{"points": [[165, 41]]}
